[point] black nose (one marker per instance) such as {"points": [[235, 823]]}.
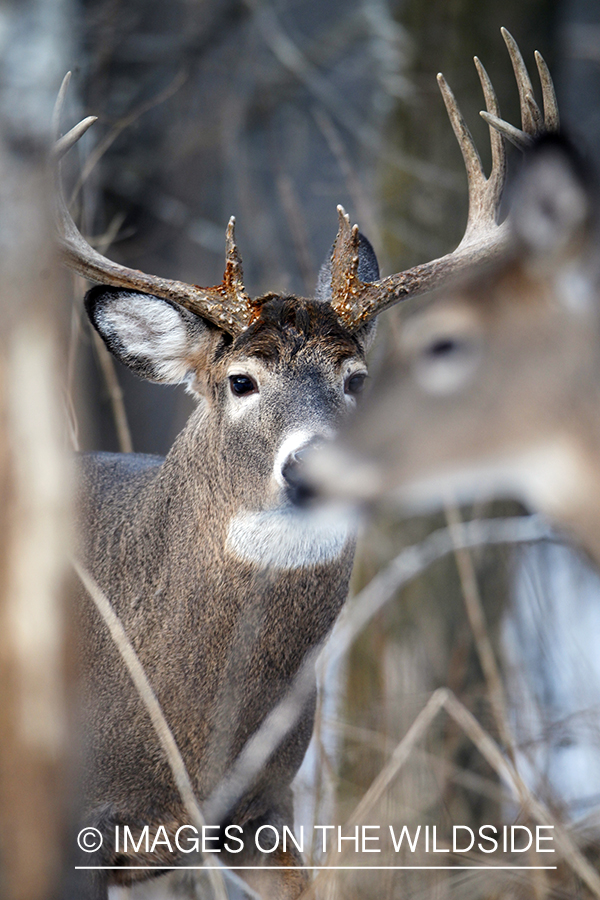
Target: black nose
{"points": [[298, 490]]}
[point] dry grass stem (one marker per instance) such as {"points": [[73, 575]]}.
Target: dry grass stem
{"points": [[483, 786], [412, 561], [483, 644], [445, 699], [375, 793], [106, 360], [115, 394], [506, 771]]}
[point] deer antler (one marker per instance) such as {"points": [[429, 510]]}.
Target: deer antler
{"points": [[227, 305], [534, 123], [357, 302]]}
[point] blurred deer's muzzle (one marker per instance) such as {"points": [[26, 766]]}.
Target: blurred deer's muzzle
{"points": [[299, 489], [331, 472]]}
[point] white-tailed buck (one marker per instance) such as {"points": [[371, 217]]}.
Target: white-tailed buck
{"points": [[221, 584]]}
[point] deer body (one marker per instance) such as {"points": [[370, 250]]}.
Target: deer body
{"points": [[221, 584], [219, 641]]}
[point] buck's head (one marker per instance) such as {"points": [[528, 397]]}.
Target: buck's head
{"points": [[490, 388], [273, 375]]}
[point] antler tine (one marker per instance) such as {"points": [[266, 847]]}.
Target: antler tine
{"points": [[533, 124], [234, 275], [551, 117], [484, 193], [497, 144], [517, 137], [465, 140], [58, 106], [226, 305], [531, 116], [346, 286], [64, 144]]}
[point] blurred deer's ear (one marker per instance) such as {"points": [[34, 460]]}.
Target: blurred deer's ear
{"points": [[551, 207]]}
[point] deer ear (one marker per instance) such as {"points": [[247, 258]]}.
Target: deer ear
{"points": [[552, 205], [156, 339]]}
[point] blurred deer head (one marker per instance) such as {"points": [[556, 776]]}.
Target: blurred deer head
{"points": [[494, 384]]}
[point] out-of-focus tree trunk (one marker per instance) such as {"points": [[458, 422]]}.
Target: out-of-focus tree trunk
{"points": [[33, 494]]}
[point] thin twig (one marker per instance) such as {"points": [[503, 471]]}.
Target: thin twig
{"points": [[296, 222], [292, 59], [71, 422], [99, 151], [360, 198]]}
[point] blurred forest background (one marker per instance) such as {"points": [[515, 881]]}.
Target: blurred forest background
{"points": [[275, 111]]}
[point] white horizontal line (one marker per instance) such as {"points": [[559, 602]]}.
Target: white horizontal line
{"points": [[312, 868]]}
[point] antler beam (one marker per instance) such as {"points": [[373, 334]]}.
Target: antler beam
{"points": [[226, 305], [484, 239]]}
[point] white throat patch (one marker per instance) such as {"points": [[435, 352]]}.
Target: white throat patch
{"points": [[288, 538]]}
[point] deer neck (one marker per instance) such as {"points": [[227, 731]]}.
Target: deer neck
{"points": [[262, 529]]}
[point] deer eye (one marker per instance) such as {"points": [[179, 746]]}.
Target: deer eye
{"points": [[242, 384], [447, 362], [443, 347], [355, 383]]}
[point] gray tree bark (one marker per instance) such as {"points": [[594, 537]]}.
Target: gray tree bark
{"points": [[33, 479]]}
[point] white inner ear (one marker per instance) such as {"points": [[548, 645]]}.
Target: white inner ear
{"points": [[151, 331]]}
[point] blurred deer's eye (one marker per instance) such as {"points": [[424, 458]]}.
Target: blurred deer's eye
{"points": [[242, 384], [443, 347], [446, 363], [355, 383]]}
